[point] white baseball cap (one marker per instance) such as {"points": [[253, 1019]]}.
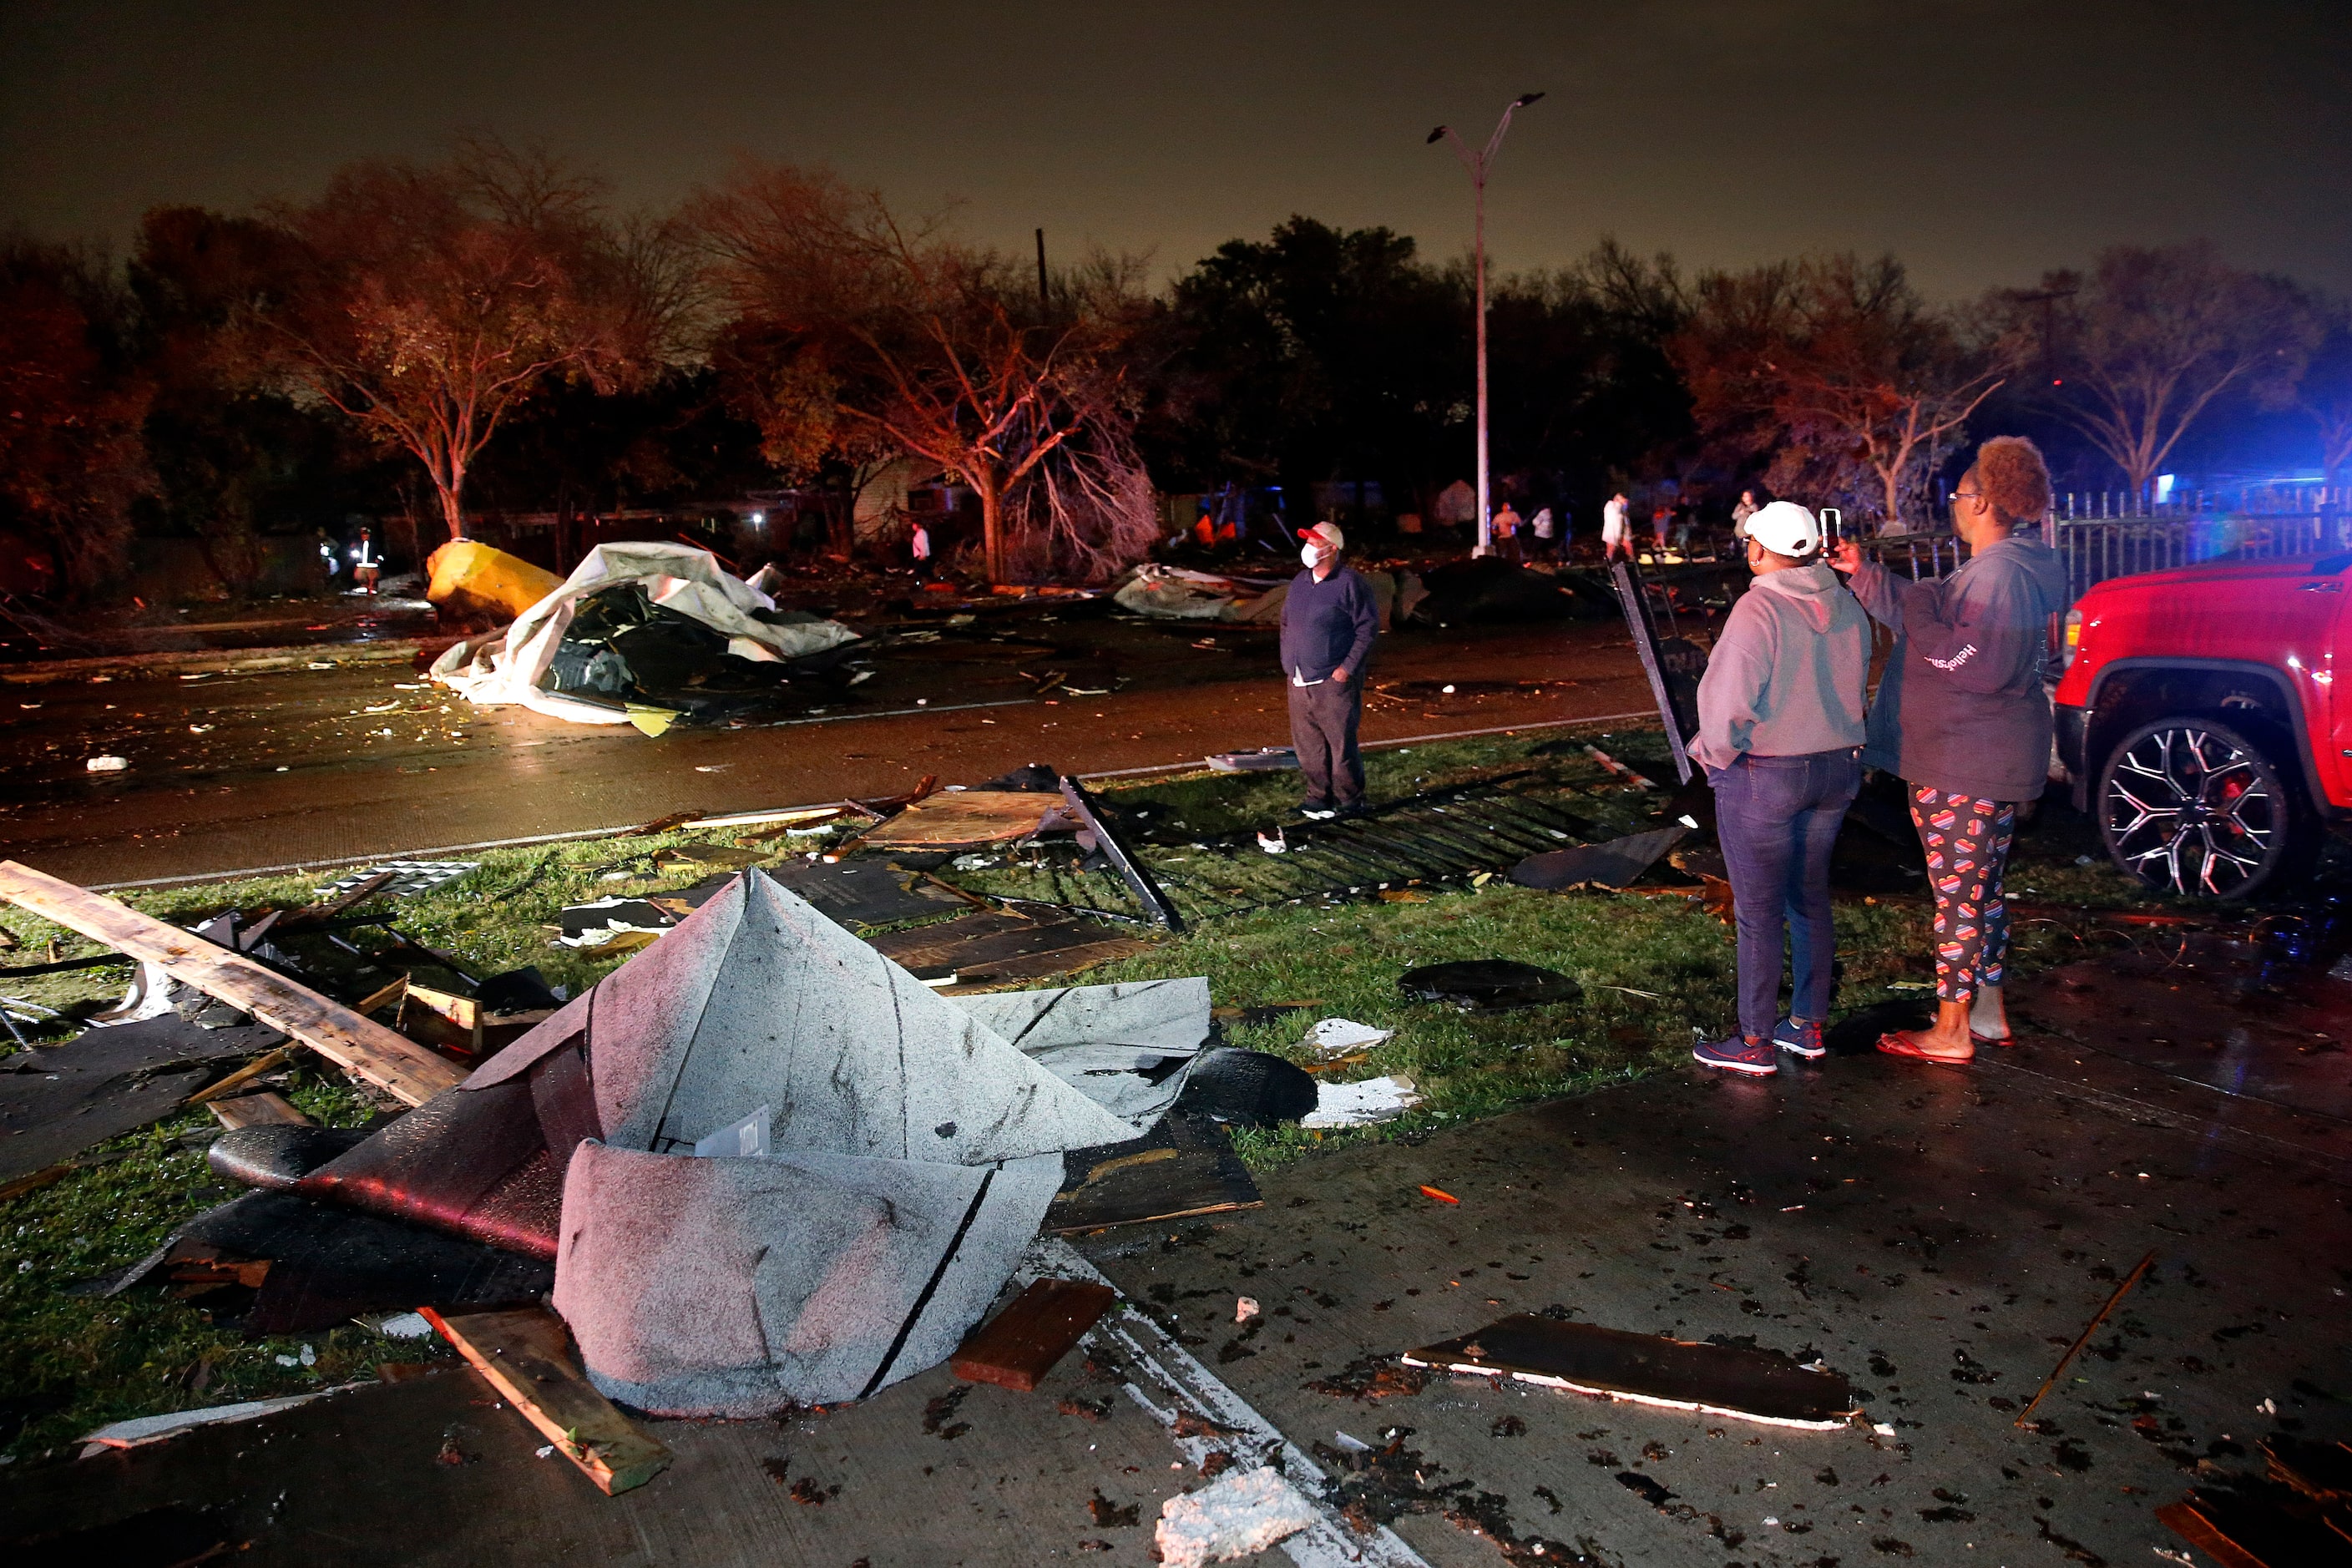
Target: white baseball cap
{"points": [[1326, 534], [1784, 527]]}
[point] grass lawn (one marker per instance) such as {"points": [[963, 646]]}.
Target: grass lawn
{"points": [[1656, 967]]}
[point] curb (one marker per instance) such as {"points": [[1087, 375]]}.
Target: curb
{"points": [[212, 661]]}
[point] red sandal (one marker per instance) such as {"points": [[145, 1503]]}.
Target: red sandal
{"points": [[1977, 1039], [1900, 1044]]}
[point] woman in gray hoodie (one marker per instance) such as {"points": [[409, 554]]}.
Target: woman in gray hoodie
{"points": [[1779, 733], [1962, 716]]}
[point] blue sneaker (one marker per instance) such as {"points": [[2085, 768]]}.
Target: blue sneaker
{"points": [[1799, 1039], [1738, 1054]]}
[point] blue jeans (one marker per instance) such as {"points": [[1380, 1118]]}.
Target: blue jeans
{"points": [[1778, 819]]}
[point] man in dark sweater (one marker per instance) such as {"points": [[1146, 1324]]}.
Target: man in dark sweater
{"points": [[1328, 620]]}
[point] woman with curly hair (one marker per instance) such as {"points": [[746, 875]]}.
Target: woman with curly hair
{"points": [[1963, 718]]}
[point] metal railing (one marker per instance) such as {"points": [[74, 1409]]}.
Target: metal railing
{"points": [[2097, 548]]}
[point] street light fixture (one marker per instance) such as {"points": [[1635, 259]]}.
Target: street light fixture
{"points": [[1478, 164]]}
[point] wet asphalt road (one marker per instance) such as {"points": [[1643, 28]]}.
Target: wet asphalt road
{"points": [[307, 766]]}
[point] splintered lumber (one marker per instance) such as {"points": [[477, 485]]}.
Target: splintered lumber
{"points": [[264, 1109], [527, 1356], [236, 1080], [1650, 1368], [392, 1063], [959, 817], [1019, 1346]]}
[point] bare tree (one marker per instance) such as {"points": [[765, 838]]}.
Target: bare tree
{"points": [[2156, 333], [938, 348], [1841, 370], [432, 302]]}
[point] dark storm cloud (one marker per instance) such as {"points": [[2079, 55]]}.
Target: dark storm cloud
{"points": [[1981, 140]]}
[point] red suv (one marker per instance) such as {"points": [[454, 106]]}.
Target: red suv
{"points": [[2196, 719]]}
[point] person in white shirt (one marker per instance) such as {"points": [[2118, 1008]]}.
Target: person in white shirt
{"points": [[366, 570], [1612, 530], [1540, 525]]}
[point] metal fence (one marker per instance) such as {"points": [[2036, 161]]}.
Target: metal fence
{"points": [[2097, 548]]}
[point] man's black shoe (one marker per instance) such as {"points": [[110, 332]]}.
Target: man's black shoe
{"points": [[1355, 808]]}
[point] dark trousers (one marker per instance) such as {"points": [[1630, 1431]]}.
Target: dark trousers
{"points": [[1323, 721], [1778, 819]]}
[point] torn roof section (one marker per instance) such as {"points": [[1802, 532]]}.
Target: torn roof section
{"points": [[758, 998]]}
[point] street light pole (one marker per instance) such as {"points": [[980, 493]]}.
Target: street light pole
{"points": [[1477, 164]]}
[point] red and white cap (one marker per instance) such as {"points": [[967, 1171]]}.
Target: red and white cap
{"points": [[1326, 534]]}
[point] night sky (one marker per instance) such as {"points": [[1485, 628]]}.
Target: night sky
{"points": [[1983, 141]]}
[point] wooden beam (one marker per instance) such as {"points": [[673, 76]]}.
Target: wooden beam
{"points": [[397, 1065], [527, 1356], [1017, 1347], [245, 1074]]}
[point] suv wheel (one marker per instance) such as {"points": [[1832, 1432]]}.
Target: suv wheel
{"points": [[2192, 807]]}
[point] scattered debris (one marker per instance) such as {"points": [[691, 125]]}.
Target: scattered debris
{"points": [[107, 764], [145, 1429], [641, 632], [1337, 1036], [388, 1060], [1096, 834], [1248, 1088], [1266, 759], [58, 1100], [1244, 1309], [1490, 985], [1182, 1168], [1017, 1347], [264, 1109], [1737, 1381], [960, 818], [1363, 1103], [392, 879], [2084, 1338], [526, 1356], [1234, 1516], [1614, 864], [1442, 1196]]}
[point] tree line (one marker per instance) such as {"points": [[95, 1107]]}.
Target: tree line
{"points": [[486, 330]]}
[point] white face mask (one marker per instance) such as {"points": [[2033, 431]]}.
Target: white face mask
{"points": [[1312, 555]]}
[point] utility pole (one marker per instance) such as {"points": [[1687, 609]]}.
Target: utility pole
{"points": [[1478, 164]]}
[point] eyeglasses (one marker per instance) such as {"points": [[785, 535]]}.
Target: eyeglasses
{"points": [[1967, 495]]}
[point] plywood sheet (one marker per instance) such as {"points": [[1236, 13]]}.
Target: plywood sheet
{"points": [[955, 817]]}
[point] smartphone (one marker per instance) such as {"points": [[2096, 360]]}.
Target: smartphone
{"points": [[1831, 523]]}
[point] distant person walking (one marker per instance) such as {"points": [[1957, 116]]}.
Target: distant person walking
{"points": [[918, 546], [1961, 715], [1741, 513], [1613, 530], [1542, 527], [1662, 520], [1780, 728], [1329, 619], [1506, 528], [366, 570]]}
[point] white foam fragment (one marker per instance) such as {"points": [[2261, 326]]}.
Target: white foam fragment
{"points": [[1334, 1036], [1243, 1513], [1361, 1104]]}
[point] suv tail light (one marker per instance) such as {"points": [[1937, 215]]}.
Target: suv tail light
{"points": [[2071, 639]]}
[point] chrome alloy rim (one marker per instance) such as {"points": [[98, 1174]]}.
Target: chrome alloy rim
{"points": [[2192, 812]]}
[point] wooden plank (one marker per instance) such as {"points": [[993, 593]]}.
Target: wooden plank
{"points": [[527, 1356], [1184, 1167], [236, 1080], [1019, 1346], [966, 816], [263, 1110], [392, 1063]]}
